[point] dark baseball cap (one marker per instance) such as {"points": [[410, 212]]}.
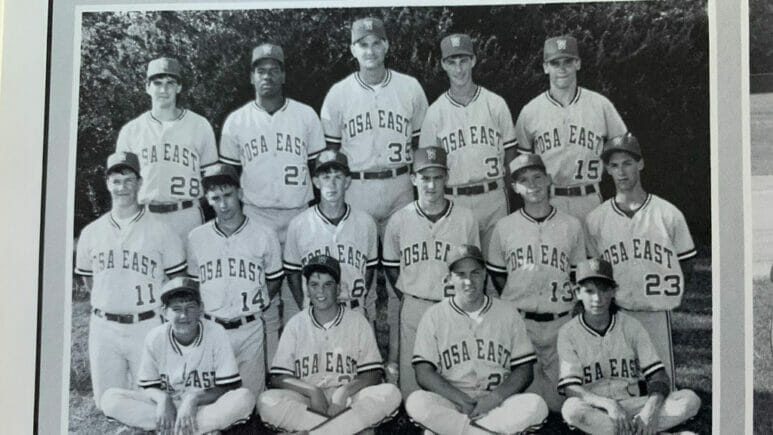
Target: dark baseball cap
{"points": [[626, 142], [219, 172], [461, 252], [180, 286], [331, 159], [164, 65], [123, 159], [268, 51], [323, 263], [524, 161], [429, 157], [368, 26], [594, 268], [456, 44], [560, 46]]}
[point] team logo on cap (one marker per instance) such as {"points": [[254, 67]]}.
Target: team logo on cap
{"points": [[455, 41], [368, 24], [594, 264], [267, 49], [561, 44], [431, 154]]}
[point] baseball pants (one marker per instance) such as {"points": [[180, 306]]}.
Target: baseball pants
{"points": [[577, 206], [658, 325], [518, 413], [115, 351], [369, 407], [183, 221], [247, 342], [544, 338], [411, 311], [678, 407], [134, 408], [488, 208]]}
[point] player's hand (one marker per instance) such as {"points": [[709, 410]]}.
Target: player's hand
{"points": [[165, 416], [467, 405], [619, 418], [485, 405], [645, 422], [318, 402], [335, 408], [185, 423]]}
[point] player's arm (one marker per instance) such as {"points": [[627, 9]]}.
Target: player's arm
{"points": [[294, 281], [274, 286], [362, 380], [687, 266], [315, 394], [498, 279], [370, 273], [612, 407], [429, 379], [392, 274], [87, 282], [518, 379], [646, 420], [166, 412]]}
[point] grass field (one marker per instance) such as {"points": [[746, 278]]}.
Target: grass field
{"points": [[761, 114]]}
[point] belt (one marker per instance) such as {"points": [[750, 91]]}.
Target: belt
{"points": [[472, 190], [575, 190], [232, 324], [170, 207], [380, 175], [423, 299], [543, 317], [125, 318]]}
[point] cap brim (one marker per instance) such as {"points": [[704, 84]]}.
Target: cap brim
{"points": [[121, 165], [560, 56], [311, 268], [597, 276], [327, 165], [432, 165], [605, 155], [515, 173], [219, 179], [475, 257], [179, 291]]}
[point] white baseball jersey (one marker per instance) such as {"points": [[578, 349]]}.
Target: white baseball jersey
{"points": [[171, 154], [374, 123], [327, 355], [129, 265], [273, 151], [605, 363], [233, 269], [474, 356], [537, 258], [644, 250], [353, 242], [419, 247], [474, 136], [206, 363], [569, 139]]}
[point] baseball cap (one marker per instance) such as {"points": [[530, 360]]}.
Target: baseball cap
{"points": [[626, 142], [461, 252], [126, 159], [219, 171], [429, 157], [560, 46], [164, 65], [368, 26], [331, 158], [323, 263], [268, 51], [524, 161], [180, 285], [455, 44], [594, 268]]}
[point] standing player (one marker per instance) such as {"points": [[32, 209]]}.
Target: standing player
{"points": [[124, 258], [189, 376], [647, 241], [173, 145], [417, 241], [238, 264], [272, 139], [473, 357], [531, 256], [475, 128], [604, 353], [567, 126], [334, 228], [327, 368]]}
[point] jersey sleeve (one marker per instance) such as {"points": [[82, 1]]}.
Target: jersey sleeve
{"points": [[569, 363], [173, 251], [83, 265], [578, 249], [316, 135], [226, 369], [208, 152], [615, 125], [273, 257], [681, 238], [123, 143], [473, 232], [495, 255], [523, 137], [429, 128], [372, 243], [591, 232], [291, 257], [505, 120], [368, 357], [420, 106], [425, 348], [649, 361], [391, 248], [149, 374], [284, 358], [522, 348], [330, 115], [229, 143], [190, 256]]}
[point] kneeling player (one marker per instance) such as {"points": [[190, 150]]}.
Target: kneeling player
{"points": [[327, 368], [603, 354], [188, 372], [473, 357]]}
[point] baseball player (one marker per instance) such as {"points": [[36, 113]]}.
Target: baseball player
{"points": [[124, 258], [531, 256], [272, 139], [475, 128], [604, 354], [567, 126], [237, 262], [189, 376], [334, 228], [327, 370], [417, 241], [474, 359], [647, 240], [174, 145]]}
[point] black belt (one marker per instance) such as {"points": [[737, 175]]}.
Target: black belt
{"points": [[125, 318], [380, 175], [423, 299], [353, 303], [472, 190], [543, 317], [575, 191], [232, 324], [170, 207]]}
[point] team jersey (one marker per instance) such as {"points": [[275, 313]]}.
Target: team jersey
{"points": [[273, 151], [419, 247], [605, 363], [537, 258], [374, 123], [327, 356], [233, 270], [474, 136], [206, 363], [645, 251], [129, 265], [171, 153], [353, 242], [473, 356], [569, 139]]}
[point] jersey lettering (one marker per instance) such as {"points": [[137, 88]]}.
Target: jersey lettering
{"points": [[283, 143], [385, 119], [345, 254], [334, 363], [418, 252], [618, 368], [479, 134], [485, 350], [578, 135], [128, 260], [231, 267], [543, 254], [641, 249], [171, 153]]}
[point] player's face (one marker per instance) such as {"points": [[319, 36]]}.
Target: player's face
{"points": [[163, 91], [468, 279], [430, 183], [323, 291], [370, 52], [123, 187], [332, 185], [225, 201], [624, 170], [459, 69], [267, 77], [533, 184], [184, 314], [596, 297], [562, 72]]}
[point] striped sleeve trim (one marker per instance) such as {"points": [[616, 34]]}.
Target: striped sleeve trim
{"points": [[368, 367], [177, 268], [390, 263], [420, 359], [292, 266], [416, 133], [228, 379], [314, 155], [515, 362], [372, 262], [568, 381], [511, 143], [230, 161], [523, 150], [83, 272], [280, 371], [275, 275], [495, 268], [332, 139], [651, 369], [689, 254], [149, 383], [193, 277], [208, 164]]}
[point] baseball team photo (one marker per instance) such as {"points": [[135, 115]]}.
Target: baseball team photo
{"points": [[398, 219]]}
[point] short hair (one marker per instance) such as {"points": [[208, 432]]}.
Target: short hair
{"points": [[121, 169], [184, 294], [314, 268], [164, 75], [213, 183]]}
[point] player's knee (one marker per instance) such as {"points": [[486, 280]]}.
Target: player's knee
{"points": [[244, 398], [692, 403], [267, 401], [571, 411], [416, 405], [389, 395], [110, 402], [534, 405]]}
